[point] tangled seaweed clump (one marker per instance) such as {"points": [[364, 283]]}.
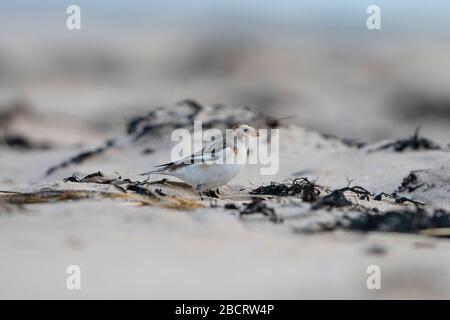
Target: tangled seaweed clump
{"points": [[412, 143], [258, 206], [410, 183], [307, 190], [335, 199], [404, 221]]}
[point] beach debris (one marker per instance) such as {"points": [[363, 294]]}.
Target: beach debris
{"points": [[140, 190], [257, 205], [20, 142], [379, 196], [363, 193], [99, 177], [349, 142], [310, 191], [72, 178], [410, 183], [81, 157], [404, 199], [159, 119], [47, 195], [160, 192], [133, 193], [230, 206], [412, 143], [397, 199], [405, 221], [336, 199], [307, 190], [185, 112], [416, 179]]}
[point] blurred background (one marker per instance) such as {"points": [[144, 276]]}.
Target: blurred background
{"points": [[313, 60]]}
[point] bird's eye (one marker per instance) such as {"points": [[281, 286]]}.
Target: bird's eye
{"points": [[245, 130]]}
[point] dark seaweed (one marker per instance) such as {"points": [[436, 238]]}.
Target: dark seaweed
{"points": [[230, 206], [360, 191], [397, 198], [22, 143], [258, 206], [72, 178], [142, 125], [335, 199], [405, 221], [404, 199], [99, 177], [93, 175], [413, 143], [140, 190], [89, 178], [379, 196], [410, 183], [308, 190], [349, 142], [81, 157], [274, 122], [195, 107], [159, 192]]}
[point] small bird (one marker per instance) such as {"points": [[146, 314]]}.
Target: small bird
{"points": [[208, 169]]}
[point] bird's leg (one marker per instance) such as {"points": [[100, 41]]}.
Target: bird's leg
{"points": [[198, 188]]}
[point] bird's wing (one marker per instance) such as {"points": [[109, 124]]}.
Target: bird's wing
{"points": [[210, 153]]}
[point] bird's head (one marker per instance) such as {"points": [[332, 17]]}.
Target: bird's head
{"points": [[242, 130]]}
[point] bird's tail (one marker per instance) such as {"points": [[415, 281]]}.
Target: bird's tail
{"points": [[159, 169], [151, 172]]}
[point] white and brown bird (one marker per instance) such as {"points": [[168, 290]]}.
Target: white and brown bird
{"points": [[209, 168]]}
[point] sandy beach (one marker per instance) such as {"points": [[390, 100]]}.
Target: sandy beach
{"points": [[82, 114]]}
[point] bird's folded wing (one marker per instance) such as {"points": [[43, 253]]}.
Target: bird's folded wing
{"points": [[210, 153]]}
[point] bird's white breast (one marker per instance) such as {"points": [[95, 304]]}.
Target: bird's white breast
{"points": [[208, 176]]}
